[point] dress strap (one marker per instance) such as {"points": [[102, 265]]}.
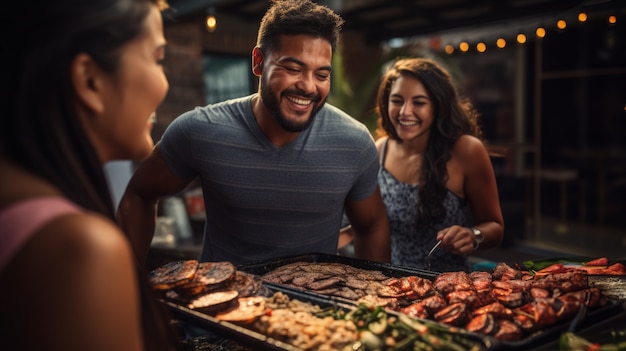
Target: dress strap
{"points": [[19, 222], [383, 153]]}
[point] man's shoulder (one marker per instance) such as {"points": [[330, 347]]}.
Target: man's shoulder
{"points": [[236, 104], [335, 117], [219, 112]]}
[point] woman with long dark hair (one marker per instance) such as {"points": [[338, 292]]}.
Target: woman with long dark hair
{"points": [[436, 177], [80, 82]]}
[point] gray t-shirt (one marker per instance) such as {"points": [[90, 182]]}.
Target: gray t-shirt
{"points": [[264, 201]]}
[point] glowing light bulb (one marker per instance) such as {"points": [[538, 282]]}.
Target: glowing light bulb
{"points": [[501, 43], [521, 38], [211, 23], [582, 17], [481, 47], [464, 46], [449, 49], [540, 32], [561, 24]]}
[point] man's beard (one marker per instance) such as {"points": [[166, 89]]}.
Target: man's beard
{"points": [[270, 101]]}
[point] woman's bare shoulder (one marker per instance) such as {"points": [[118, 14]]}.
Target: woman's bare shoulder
{"points": [[89, 233], [469, 146], [380, 142], [83, 264]]}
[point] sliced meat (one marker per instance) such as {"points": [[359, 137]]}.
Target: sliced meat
{"points": [[173, 274], [209, 276], [325, 283], [214, 301], [246, 284]]}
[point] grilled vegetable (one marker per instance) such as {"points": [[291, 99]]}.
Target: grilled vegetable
{"points": [[572, 342], [380, 330]]}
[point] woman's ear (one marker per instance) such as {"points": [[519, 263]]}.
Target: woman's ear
{"points": [[86, 78], [257, 61]]}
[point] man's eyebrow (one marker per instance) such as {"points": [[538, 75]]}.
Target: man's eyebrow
{"points": [[302, 64]]}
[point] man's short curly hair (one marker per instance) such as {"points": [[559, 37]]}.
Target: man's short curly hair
{"points": [[294, 17]]}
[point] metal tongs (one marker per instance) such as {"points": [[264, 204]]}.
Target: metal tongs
{"points": [[431, 252], [582, 311]]}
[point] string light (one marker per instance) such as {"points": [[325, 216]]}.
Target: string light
{"points": [[481, 47], [464, 46], [211, 21], [501, 43], [540, 32], [521, 38]]}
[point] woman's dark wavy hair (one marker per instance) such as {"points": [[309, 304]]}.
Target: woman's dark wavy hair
{"points": [[294, 17], [454, 116], [40, 130]]}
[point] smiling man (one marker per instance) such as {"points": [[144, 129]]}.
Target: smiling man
{"points": [[278, 168]]}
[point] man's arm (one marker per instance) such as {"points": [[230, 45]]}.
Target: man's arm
{"points": [[371, 228], [137, 210]]}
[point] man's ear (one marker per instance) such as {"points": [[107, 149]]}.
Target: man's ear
{"points": [[257, 61], [86, 79]]}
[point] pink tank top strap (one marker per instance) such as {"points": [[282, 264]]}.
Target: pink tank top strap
{"points": [[20, 221]]}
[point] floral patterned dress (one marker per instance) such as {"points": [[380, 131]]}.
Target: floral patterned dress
{"points": [[410, 243]]}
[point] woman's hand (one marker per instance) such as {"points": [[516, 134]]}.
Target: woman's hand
{"points": [[457, 239]]}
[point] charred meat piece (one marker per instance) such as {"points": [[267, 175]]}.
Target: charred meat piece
{"points": [[537, 293], [562, 282], [516, 285], [541, 312], [507, 331], [508, 298], [467, 297], [245, 310], [214, 301], [245, 284], [350, 294], [503, 271], [356, 283], [595, 297], [173, 274], [497, 309], [481, 280], [483, 323], [281, 277], [325, 283], [456, 314], [209, 276], [416, 310], [421, 286], [434, 303], [447, 282], [306, 278]]}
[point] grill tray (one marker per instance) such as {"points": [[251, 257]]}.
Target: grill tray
{"points": [[258, 341], [390, 270], [534, 340]]}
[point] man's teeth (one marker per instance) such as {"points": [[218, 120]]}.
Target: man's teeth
{"points": [[299, 101]]}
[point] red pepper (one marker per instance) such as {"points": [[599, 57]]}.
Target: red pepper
{"points": [[554, 268], [593, 347], [602, 261]]}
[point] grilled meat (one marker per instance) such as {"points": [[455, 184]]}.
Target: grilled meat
{"points": [[209, 276], [173, 274]]}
